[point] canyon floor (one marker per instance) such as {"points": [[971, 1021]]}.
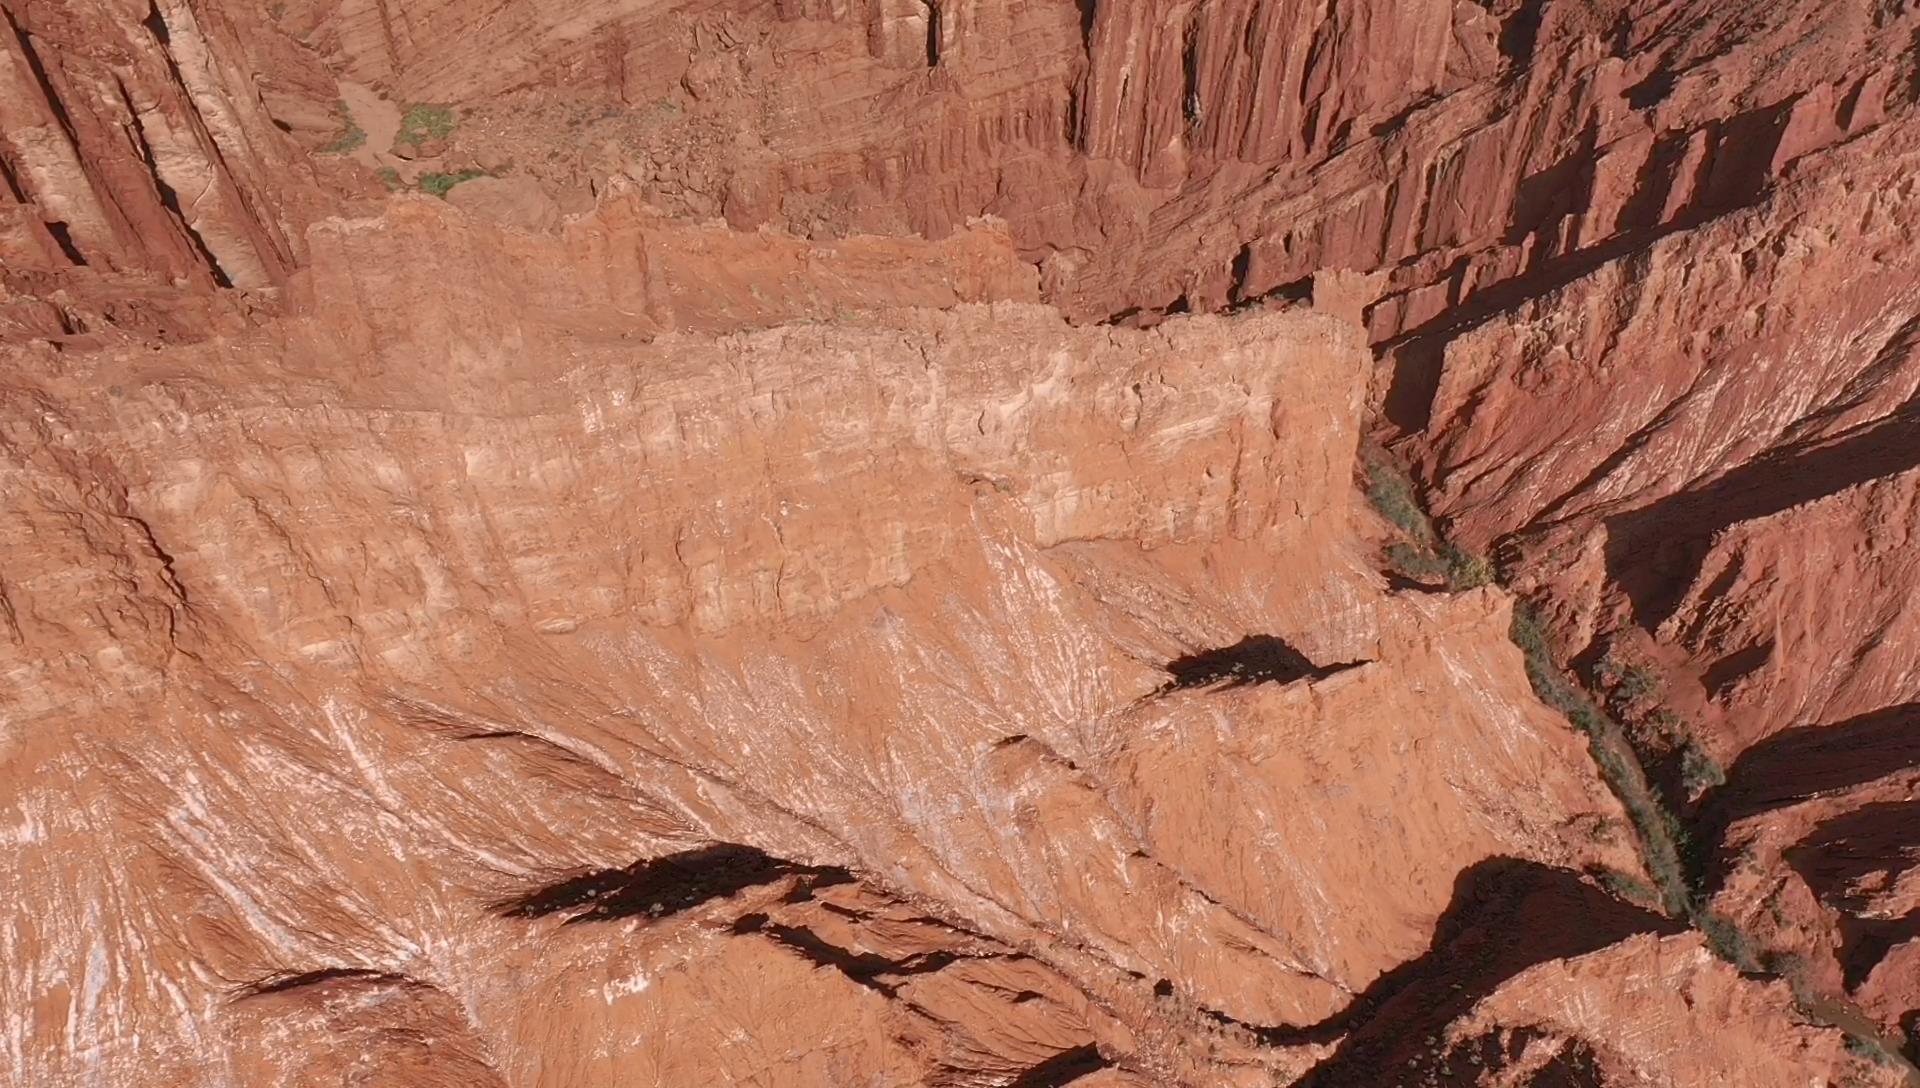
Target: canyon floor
{"points": [[960, 542]]}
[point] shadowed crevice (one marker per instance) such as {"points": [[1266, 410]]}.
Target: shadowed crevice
{"points": [[1734, 175], [1506, 915], [1797, 764], [1864, 942], [1837, 860], [1256, 659], [660, 887], [1062, 1069], [1520, 33], [1654, 553], [869, 969], [282, 983], [1576, 1065]]}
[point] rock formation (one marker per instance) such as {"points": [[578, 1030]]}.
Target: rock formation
{"points": [[819, 544]]}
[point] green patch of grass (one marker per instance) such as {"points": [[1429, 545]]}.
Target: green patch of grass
{"points": [[440, 184], [422, 122], [390, 178], [1662, 839], [1391, 493], [352, 137]]}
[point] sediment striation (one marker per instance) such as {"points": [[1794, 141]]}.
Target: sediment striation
{"points": [[807, 543]]}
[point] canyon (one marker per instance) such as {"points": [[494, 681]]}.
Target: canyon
{"points": [[977, 542]]}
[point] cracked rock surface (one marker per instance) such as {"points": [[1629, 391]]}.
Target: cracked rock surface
{"points": [[837, 554]]}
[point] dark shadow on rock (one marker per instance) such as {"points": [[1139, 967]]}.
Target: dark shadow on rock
{"points": [[1835, 857], [659, 887], [1519, 32], [1400, 583], [1256, 659], [1734, 175], [1506, 915], [1576, 1065], [282, 983], [1654, 553], [1554, 193], [1864, 942], [1062, 1069], [869, 969], [1796, 764]]}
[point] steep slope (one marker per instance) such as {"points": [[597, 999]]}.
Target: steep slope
{"points": [[946, 616], [690, 606]]}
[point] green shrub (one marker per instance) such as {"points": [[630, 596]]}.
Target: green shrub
{"points": [[1466, 570], [1628, 887], [352, 137], [1726, 939], [1698, 771], [1391, 493], [1627, 682], [1414, 561], [1662, 839], [1638, 682], [440, 184], [1666, 724], [1872, 1050], [391, 179], [421, 123]]}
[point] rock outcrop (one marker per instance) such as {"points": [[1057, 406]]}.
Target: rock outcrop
{"points": [[370, 665], [831, 556]]}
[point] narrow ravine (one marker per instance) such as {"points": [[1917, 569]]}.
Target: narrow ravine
{"points": [[1665, 841]]}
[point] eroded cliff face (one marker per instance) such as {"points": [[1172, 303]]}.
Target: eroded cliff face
{"points": [[958, 628], [832, 556]]}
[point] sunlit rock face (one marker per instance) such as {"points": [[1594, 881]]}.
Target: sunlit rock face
{"points": [[832, 555]]}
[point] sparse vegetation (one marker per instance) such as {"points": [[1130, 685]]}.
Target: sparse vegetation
{"points": [[1661, 836], [1698, 771], [391, 179], [1391, 493], [1629, 687], [352, 137], [1628, 887], [1466, 570], [1423, 555], [420, 123], [1667, 725], [1415, 562], [439, 184], [1726, 939], [1872, 1050], [1627, 682]]}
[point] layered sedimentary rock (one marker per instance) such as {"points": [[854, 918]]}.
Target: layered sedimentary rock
{"points": [[400, 643], [680, 611], [1698, 453], [1692, 1019], [1713, 498], [134, 140]]}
